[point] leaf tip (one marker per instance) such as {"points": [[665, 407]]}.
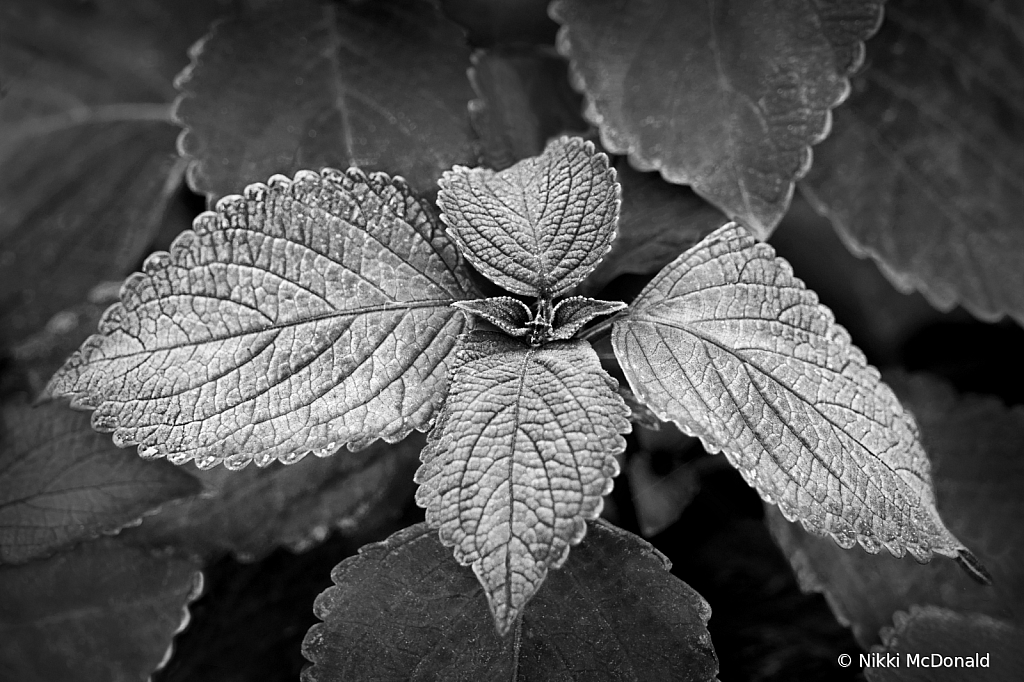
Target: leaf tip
{"points": [[973, 567]]}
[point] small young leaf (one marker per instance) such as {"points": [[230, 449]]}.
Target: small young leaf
{"points": [[521, 456], [974, 445], [658, 221], [924, 172], [524, 100], [508, 314], [613, 612], [538, 227], [305, 84], [102, 612], [737, 122], [569, 316], [61, 482], [254, 511], [304, 315], [928, 630], [728, 344]]}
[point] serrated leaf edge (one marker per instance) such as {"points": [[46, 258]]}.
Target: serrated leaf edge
{"points": [[159, 259], [620, 145], [856, 356], [581, 274]]}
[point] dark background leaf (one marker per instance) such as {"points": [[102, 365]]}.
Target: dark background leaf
{"points": [[725, 97], [502, 21], [931, 630], [87, 163], [304, 84], [523, 100], [924, 170], [61, 482], [251, 512], [657, 222], [975, 446], [611, 611], [104, 611]]}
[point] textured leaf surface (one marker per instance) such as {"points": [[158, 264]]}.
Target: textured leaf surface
{"points": [[523, 100], [86, 144], [101, 612], [932, 630], [538, 227], [522, 454], [658, 222], [508, 314], [728, 344], [612, 613], [974, 445], [726, 97], [61, 482], [924, 172], [304, 315], [254, 511], [305, 84], [571, 314]]}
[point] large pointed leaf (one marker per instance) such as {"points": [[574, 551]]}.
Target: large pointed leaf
{"points": [[521, 457], [304, 315], [61, 482], [102, 612], [538, 227], [724, 96], [975, 445], [305, 84], [86, 143], [925, 172], [728, 344], [403, 610], [252, 512]]}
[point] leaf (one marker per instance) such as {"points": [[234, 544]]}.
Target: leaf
{"points": [[725, 97], [660, 496], [102, 612], [924, 170], [60, 482], [569, 316], [521, 456], [523, 100], [502, 21], [305, 84], [992, 645], [509, 314], [658, 222], [613, 612], [728, 344], [86, 144], [253, 511], [540, 226], [304, 315], [974, 444]]}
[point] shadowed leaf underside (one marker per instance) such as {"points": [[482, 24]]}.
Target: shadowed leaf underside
{"points": [[539, 227], [303, 315], [521, 456], [728, 344]]}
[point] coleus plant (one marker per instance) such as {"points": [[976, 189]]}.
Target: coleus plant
{"points": [[335, 309]]}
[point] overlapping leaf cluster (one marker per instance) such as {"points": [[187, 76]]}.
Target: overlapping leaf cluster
{"points": [[331, 309]]}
